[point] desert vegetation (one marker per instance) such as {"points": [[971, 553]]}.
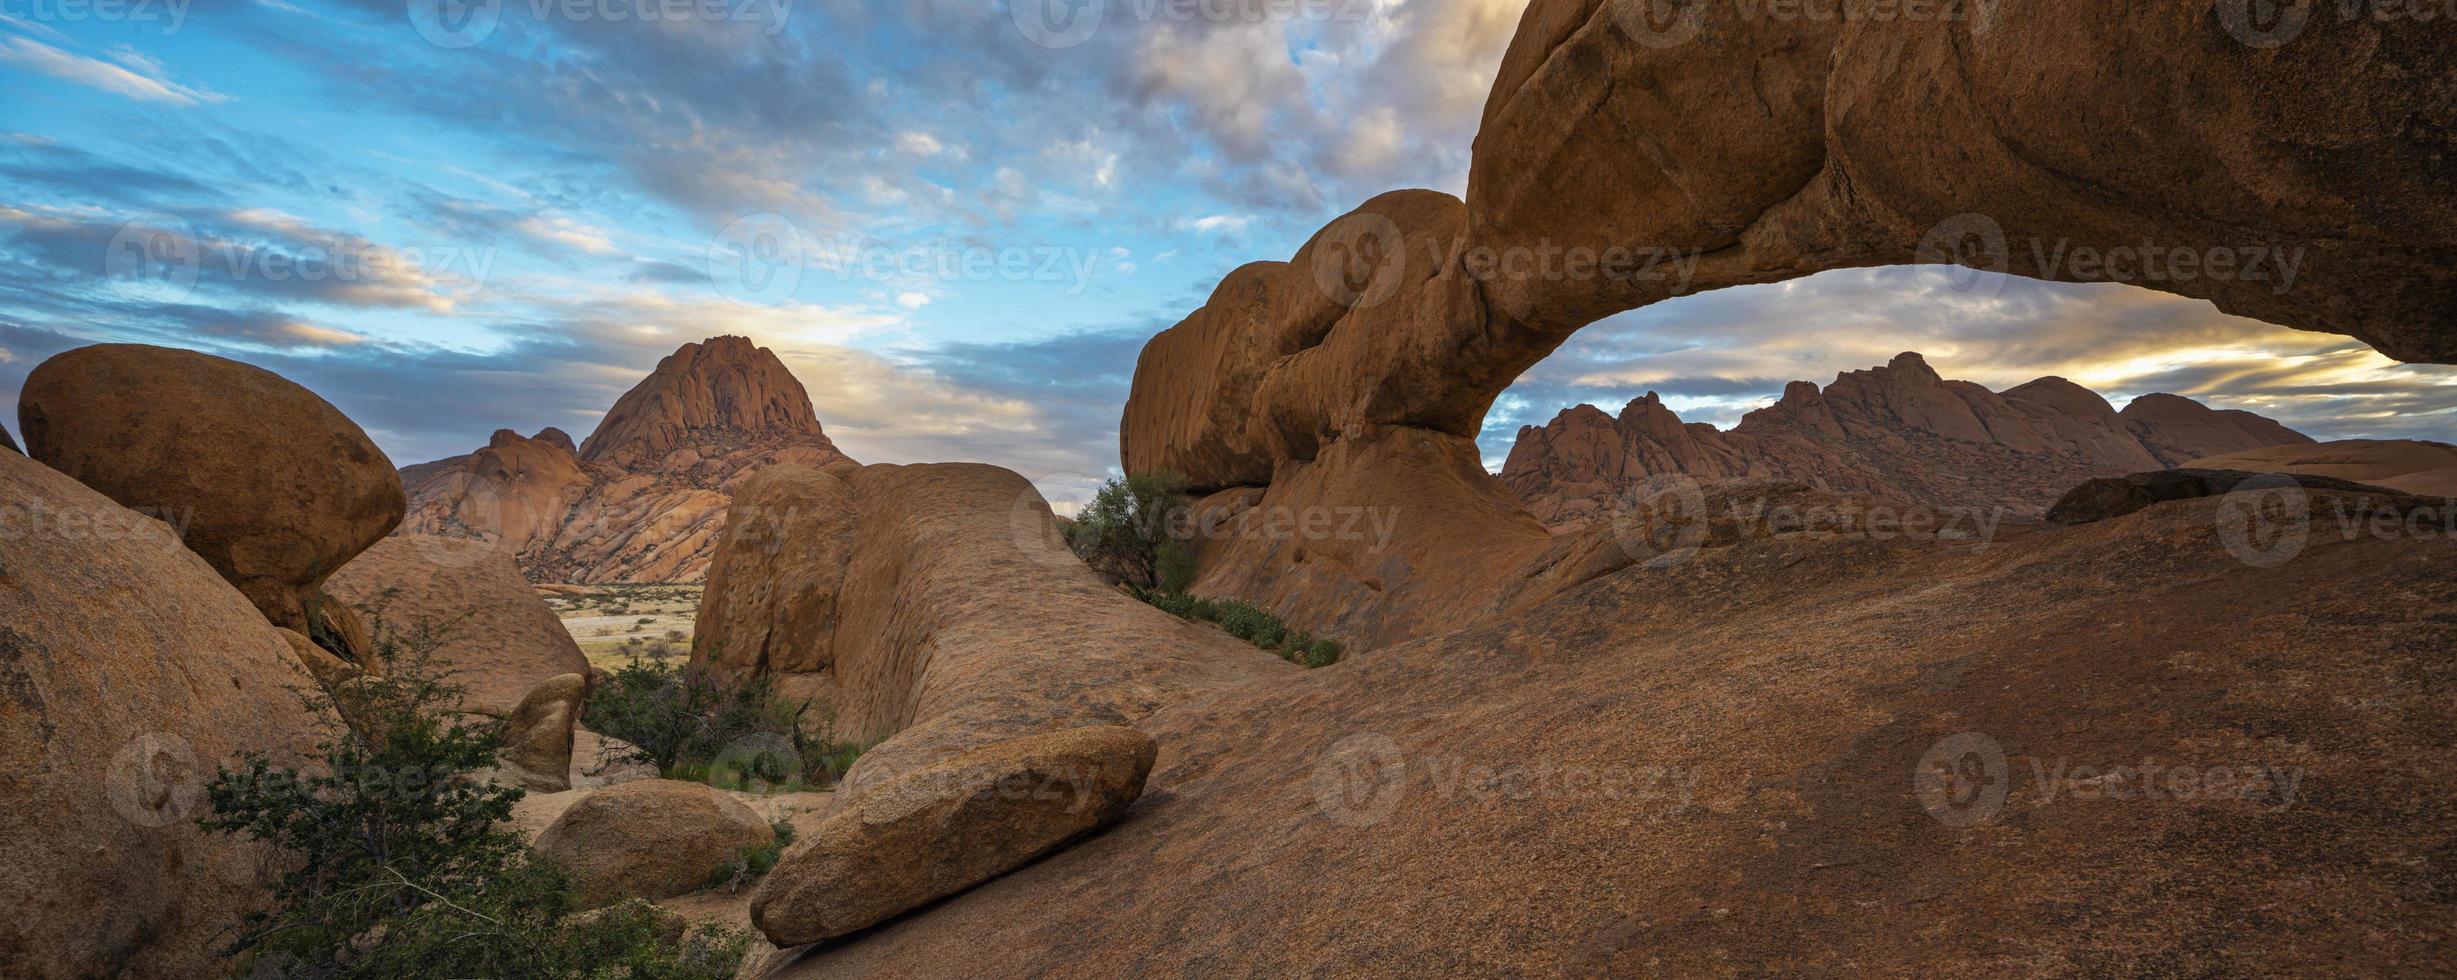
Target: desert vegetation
{"points": [[403, 863], [1137, 532], [692, 725]]}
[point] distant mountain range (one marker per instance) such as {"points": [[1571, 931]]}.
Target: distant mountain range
{"points": [[643, 499], [1897, 432]]}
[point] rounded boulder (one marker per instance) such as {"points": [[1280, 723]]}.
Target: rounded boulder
{"points": [[271, 485], [652, 839]]}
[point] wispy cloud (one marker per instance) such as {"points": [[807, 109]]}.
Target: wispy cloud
{"points": [[137, 77]]}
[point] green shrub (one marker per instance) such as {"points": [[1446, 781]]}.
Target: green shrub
{"points": [[748, 864], [692, 726], [1248, 622], [402, 863], [1323, 653], [1134, 531]]}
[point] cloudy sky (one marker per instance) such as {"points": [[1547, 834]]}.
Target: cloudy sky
{"points": [[956, 225]]}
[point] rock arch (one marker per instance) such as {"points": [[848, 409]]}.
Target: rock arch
{"points": [[1760, 148]]}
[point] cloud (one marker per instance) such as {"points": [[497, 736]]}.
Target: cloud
{"points": [[139, 79]]}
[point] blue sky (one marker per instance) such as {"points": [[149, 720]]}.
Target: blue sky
{"points": [[958, 237]]}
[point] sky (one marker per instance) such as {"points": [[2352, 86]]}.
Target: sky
{"points": [[957, 225]]}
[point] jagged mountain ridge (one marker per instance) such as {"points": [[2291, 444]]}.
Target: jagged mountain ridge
{"points": [[1899, 431], [643, 499]]}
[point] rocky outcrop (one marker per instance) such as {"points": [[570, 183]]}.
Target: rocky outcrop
{"points": [[1797, 751], [942, 829], [1745, 149], [9, 442], [537, 737], [2177, 430], [274, 487], [644, 499], [771, 605], [2419, 467], [2111, 497], [1899, 432], [497, 639], [959, 616], [129, 671], [652, 839]]}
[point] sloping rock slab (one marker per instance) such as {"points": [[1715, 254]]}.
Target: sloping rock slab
{"points": [[942, 829]]}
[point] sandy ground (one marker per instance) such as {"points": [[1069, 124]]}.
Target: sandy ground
{"points": [[611, 622]]}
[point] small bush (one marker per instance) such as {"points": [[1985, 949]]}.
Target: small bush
{"points": [[690, 725], [748, 864], [402, 864], [1249, 622], [1134, 532]]}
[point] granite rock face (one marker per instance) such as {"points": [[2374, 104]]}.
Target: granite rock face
{"points": [[273, 486], [1898, 432], [644, 499], [129, 670], [498, 639]]}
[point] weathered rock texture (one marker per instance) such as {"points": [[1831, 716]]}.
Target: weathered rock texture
{"points": [[1899, 432], [2415, 466], [937, 604], [1756, 149], [129, 670], [537, 737], [272, 485], [644, 499], [499, 640], [2109, 497], [1733, 764], [651, 839], [939, 830]]}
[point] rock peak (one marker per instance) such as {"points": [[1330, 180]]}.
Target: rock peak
{"points": [[724, 391]]}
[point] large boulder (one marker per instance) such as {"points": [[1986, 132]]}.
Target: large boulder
{"points": [[500, 640], [129, 671], [652, 839], [2110, 497], [272, 485], [537, 738], [8, 443], [2415, 466], [944, 828], [770, 607]]}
